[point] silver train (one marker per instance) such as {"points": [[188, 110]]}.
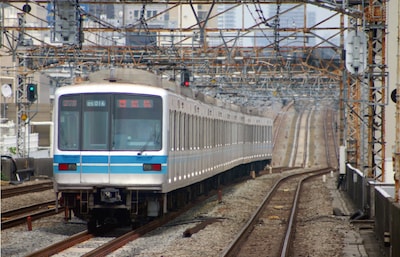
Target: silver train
{"points": [[130, 145]]}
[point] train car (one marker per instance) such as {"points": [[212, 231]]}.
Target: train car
{"points": [[129, 143]]}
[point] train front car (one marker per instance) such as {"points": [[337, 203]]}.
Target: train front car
{"points": [[110, 159]]}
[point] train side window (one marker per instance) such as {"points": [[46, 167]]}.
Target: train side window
{"points": [[177, 129], [198, 129], [204, 135], [194, 135], [206, 125], [195, 130], [186, 139], [204, 139], [218, 128], [212, 131], [224, 132], [215, 132], [190, 132], [172, 130], [181, 131]]}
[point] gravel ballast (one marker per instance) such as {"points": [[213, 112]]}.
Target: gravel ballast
{"points": [[323, 232]]}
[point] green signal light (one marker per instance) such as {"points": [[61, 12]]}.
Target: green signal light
{"points": [[31, 92]]}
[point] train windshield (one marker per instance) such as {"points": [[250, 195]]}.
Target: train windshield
{"points": [[136, 124], [107, 122]]}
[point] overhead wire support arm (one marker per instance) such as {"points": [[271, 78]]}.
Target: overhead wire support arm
{"points": [[202, 24]]}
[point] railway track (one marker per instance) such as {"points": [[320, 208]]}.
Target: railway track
{"points": [[299, 154], [19, 216], [278, 123], [101, 248], [331, 142], [25, 189], [270, 228]]}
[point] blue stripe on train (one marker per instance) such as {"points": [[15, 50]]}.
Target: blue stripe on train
{"points": [[118, 164], [66, 158]]}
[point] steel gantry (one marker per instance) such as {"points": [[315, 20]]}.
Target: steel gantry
{"points": [[366, 96], [284, 61]]}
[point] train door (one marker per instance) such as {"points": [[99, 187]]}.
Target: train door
{"points": [[95, 154]]}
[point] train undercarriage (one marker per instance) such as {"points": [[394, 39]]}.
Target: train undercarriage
{"points": [[122, 207]]}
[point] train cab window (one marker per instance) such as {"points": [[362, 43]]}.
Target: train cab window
{"points": [[103, 122], [137, 123], [69, 123], [95, 121]]}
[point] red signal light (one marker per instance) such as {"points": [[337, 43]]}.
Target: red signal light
{"points": [[185, 78]]}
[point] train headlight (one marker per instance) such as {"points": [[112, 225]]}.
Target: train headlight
{"points": [[152, 167], [67, 166]]}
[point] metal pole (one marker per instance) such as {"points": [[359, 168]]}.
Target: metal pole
{"points": [[397, 151]]}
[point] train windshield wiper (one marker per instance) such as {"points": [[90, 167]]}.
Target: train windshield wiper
{"points": [[155, 138], [144, 147]]}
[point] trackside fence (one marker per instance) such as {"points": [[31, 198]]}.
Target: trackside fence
{"points": [[376, 201]]}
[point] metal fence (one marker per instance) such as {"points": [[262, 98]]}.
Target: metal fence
{"points": [[376, 200]]}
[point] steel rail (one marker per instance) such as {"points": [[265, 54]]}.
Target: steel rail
{"points": [[234, 247], [20, 216], [331, 147], [26, 209], [289, 232], [62, 245], [23, 189], [118, 242]]}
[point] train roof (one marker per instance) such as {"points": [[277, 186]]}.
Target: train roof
{"points": [[148, 78]]}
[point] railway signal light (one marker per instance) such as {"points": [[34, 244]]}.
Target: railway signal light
{"points": [[185, 78], [31, 92]]}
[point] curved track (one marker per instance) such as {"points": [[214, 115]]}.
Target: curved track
{"points": [[270, 228]]}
